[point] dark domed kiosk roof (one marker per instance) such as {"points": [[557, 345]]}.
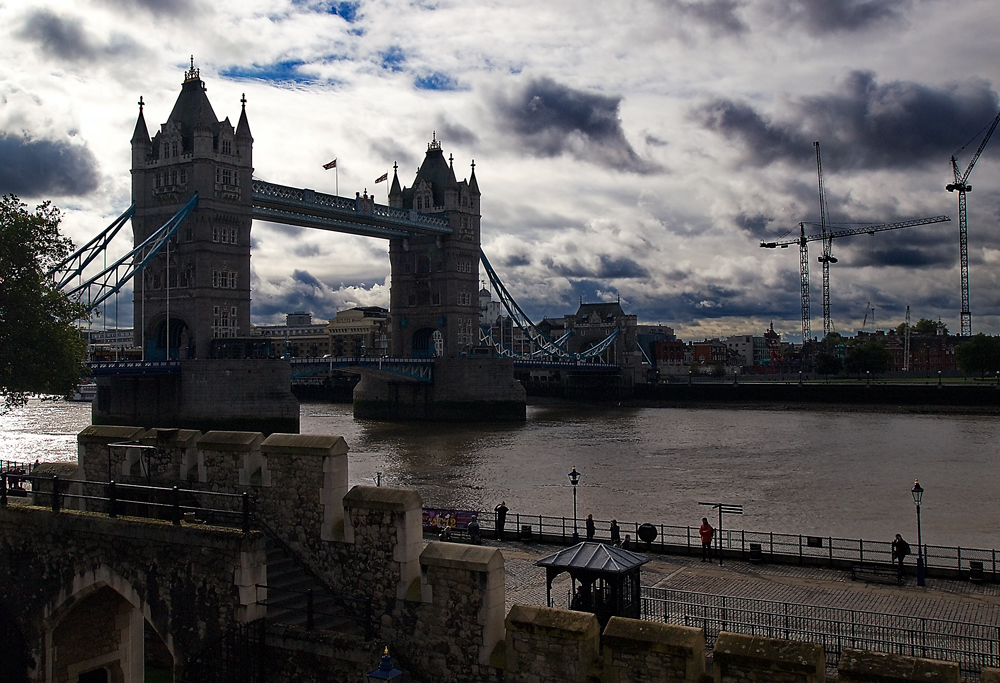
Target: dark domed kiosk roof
{"points": [[594, 557]]}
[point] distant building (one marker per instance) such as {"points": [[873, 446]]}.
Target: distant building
{"points": [[361, 331], [299, 337], [752, 349], [593, 323]]}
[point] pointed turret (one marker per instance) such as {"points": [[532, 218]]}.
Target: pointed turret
{"points": [[395, 193], [243, 127], [141, 134], [473, 185], [141, 144]]}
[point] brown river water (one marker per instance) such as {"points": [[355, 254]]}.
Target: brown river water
{"points": [[845, 474]]}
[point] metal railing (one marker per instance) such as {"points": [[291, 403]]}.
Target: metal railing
{"points": [[779, 548], [132, 500], [971, 646]]}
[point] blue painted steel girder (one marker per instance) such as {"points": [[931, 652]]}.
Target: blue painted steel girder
{"points": [[310, 209], [414, 369]]}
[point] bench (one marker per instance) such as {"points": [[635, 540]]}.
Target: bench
{"points": [[876, 573]]}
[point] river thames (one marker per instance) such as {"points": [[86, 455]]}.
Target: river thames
{"points": [[845, 474]]}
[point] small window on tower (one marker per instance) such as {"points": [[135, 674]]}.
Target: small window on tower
{"points": [[226, 147], [173, 149]]}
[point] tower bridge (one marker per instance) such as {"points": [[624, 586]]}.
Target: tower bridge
{"points": [[192, 282]]}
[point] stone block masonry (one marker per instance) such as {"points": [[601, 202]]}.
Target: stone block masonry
{"points": [[545, 645], [857, 666], [641, 651], [189, 583], [745, 659]]}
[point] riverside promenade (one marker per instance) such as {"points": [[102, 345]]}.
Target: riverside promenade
{"points": [[941, 598]]}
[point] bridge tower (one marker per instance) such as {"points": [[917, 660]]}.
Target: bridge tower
{"points": [[434, 295], [200, 290]]}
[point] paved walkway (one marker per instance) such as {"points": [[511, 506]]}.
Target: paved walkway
{"points": [[947, 599]]}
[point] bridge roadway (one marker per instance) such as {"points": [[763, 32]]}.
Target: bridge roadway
{"points": [[359, 216], [421, 369]]}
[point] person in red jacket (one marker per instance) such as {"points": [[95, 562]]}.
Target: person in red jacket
{"points": [[706, 531]]}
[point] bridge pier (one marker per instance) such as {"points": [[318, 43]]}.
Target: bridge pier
{"points": [[465, 389], [230, 395]]}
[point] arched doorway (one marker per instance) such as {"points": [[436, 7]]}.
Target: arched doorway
{"points": [[427, 343], [181, 343], [103, 638]]}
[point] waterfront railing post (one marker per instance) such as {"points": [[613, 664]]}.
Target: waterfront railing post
{"points": [[112, 499], [55, 493], [246, 512], [3, 493], [175, 495], [830, 546]]}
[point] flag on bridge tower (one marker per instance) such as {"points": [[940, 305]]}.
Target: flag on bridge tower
{"points": [[383, 177], [332, 164]]}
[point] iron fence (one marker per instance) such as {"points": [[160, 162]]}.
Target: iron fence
{"points": [[132, 500], [779, 548], [971, 646]]}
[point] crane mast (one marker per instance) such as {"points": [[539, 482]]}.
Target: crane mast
{"points": [[827, 258], [906, 344], [962, 186], [804, 282]]}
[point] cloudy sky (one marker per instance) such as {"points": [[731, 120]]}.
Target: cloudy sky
{"points": [[639, 149]]}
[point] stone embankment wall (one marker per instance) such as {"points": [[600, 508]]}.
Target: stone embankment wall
{"points": [[438, 606]]}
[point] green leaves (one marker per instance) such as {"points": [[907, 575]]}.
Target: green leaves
{"points": [[41, 350]]}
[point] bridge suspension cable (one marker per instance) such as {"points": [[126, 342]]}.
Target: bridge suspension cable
{"points": [[74, 264], [111, 279], [544, 347]]}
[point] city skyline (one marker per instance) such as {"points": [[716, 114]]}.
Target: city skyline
{"points": [[641, 150]]}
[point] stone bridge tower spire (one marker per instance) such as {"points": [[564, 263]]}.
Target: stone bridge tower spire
{"points": [[434, 300], [200, 290]]}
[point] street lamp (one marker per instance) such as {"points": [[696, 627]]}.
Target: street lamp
{"points": [[385, 671], [574, 479], [918, 494]]}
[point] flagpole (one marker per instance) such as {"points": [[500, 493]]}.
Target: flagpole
{"points": [[337, 172]]}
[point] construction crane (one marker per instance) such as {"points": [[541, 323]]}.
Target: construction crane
{"points": [[827, 258], [828, 236], [962, 186], [906, 344]]}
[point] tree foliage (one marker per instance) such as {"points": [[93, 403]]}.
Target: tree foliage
{"points": [[40, 347], [981, 354], [923, 327], [868, 356], [828, 364]]}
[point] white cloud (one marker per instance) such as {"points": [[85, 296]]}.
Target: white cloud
{"points": [[673, 137]]}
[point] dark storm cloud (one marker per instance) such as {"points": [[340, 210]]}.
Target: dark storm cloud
{"points": [[175, 8], [64, 39], [820, 17], [385, 149], [755, 225], [515, 261], [41, 168], [455, 133], [552, 119], [307, 250], [865, 124], [719, 15], [305, 278], [607, 267]]}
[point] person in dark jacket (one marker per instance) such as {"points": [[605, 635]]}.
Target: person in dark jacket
{"points": [[591, 528], [900, 549], [501, 518], [616, 534]]}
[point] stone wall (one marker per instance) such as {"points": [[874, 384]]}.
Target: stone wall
{"points": [[545, 645], [188, 582], [745, 659], [641, 651], [857, 666]]}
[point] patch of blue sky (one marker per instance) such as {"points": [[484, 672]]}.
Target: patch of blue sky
{"points": [[348, 11], [393, 59], [436, 81], [278, 72]]}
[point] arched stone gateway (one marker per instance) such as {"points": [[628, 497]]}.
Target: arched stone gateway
{"points": [[16, 660], [84, 601]]}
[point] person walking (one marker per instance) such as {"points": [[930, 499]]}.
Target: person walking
{"points": [[900, 549], [616, 534], [501, 518], [706, 531], [591, 528], [475, 536]]}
